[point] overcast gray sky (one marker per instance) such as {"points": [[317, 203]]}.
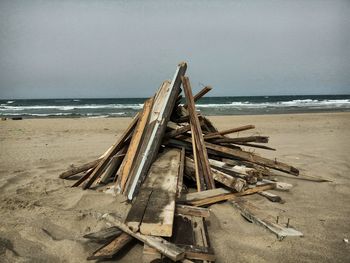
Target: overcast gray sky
{"points": [[56, 49]]}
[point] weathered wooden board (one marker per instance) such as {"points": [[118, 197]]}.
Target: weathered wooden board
{"points": [[258, 139], [242, 155], [270, 196], [231, 182], [212, 196], [162, 108], [153, 209], [188, 210], [159, 214], [134, 144], [199, 150], [260, 217], [112, 248], [166, 248], [79, 169], [181, 173], [104, 234]]}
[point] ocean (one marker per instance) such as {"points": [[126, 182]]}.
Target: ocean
{"points": [[126, 107]]}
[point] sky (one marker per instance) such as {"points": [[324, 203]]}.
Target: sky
{"points": [[114, 49]]}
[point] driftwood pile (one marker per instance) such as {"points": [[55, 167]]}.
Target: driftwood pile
{"points": [[167, 149]]}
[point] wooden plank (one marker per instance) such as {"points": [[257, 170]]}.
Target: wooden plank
{"points": [[161, 112], [113, 150], [192, 210], [200, 152], [112, 248], [246, 156], [188, 235], [231, 182], [258, 139], [218, 134], [113, 166], [271, 197], [255, 146], [212, 196], [79, 169], [201, 239], [199, 95], [259, 217], [164, 247], [159, 215], [162, 180], [134, 144], [104, 234], [181, 173]]}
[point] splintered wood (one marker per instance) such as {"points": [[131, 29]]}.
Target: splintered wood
{"points": [[171, 163]]}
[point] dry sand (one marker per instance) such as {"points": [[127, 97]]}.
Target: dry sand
{"points": [[43, 219]]}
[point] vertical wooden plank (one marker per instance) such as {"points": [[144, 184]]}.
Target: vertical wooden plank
{"points": [[197, 135], [181, 172], [161, 112], [134, 144], [159, 214]]}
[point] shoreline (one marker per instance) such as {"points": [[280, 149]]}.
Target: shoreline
{"points": [[210, 116]]}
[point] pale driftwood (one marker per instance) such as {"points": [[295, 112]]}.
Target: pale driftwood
{"points": [[192, 210], [153, 209], [270, 196], [166, 248], [259, 217], [161, 111], [209, 197], [231, 182], [162, 179]]}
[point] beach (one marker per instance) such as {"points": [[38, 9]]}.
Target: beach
{"points": [[43, 219]]}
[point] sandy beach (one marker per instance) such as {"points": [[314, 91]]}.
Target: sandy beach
{"points": [[43, 219]]}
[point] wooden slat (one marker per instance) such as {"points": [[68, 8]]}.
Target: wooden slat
{"points": [[166, 248], [79, 169], [209, 197], [260, 217], [199, 95], [160, 183], [270, 196], [104, 234], [134, 144], [114, 149], [201, 155], [181, 173], [161, 112], [159, 215], [113, 166], [231, 182], [258, 139], [218, 134], [112, 248], [188, 210], [247, 156]]}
